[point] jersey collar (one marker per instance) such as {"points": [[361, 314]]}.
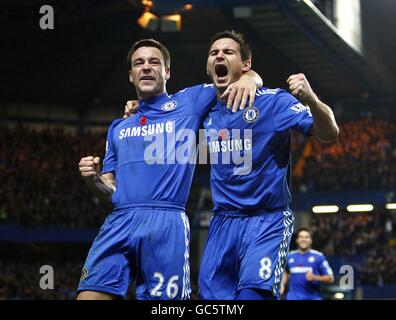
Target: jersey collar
{"points": [[304, 253], [151, 102], [223, 107]]}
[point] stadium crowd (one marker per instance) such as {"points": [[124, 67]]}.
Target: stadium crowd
{"points": [[21, 280], [371, 236], [41, 184], [363, 157], [20, 266]]}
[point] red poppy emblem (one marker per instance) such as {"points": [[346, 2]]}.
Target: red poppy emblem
{"points": [[223, 134], [143, 120]]}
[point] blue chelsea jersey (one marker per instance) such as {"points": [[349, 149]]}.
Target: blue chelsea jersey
{"points": [[298, 264], [152, 152], [250, 151]]}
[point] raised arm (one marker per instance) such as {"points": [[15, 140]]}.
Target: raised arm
{"points": [[102, 185], [325, 127]]}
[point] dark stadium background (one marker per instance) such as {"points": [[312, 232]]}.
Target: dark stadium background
{"points": [[61, 88]]}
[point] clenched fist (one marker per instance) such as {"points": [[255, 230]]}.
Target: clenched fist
{"points": [[310, 276], [89, 167], [130, 108], [301, 89]]}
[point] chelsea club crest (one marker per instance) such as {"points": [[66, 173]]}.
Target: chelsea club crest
{"points": [[250, 114]]}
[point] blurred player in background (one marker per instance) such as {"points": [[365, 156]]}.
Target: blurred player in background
{"points": [[250, 232], [305, 269], [146, 236]]}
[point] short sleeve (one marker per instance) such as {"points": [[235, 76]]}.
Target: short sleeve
{"points": [[110, 159], [324, 267], [202, 98], [289, 113]]}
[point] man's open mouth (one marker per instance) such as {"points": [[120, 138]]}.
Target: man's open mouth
{"points": [[147, 78], [221, 70]]}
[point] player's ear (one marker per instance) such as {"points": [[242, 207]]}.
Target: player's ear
{"points": [[246, 65], [167, 73], [130, 76], [207, 72]]}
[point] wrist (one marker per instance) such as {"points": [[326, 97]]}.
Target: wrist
{"points": [[246, 76], [313, 101], [92, 180]]}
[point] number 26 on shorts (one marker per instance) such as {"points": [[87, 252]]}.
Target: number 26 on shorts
{"points": [[171, 287]]}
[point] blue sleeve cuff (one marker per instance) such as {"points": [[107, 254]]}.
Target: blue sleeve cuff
{"points": [[109, 167], [305, 126]]}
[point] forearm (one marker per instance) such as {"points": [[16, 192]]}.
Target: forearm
{"points": [[285, 279], [101, 187], [325, 278], [325, 127]]}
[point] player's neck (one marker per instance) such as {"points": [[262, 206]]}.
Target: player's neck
{"points": [[219, 93], [144, 96], [302, 251]]}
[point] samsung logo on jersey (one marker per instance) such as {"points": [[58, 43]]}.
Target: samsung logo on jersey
{"points": [[147, 130], [235, 147], [230, 145], [300, 269]]}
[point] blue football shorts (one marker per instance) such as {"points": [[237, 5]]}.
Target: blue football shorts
{"points": [[144, 245], [245, 251]]}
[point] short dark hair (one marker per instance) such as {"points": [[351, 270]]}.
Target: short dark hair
{"points": [[149, 43], [246, 51], [303, 229]]}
